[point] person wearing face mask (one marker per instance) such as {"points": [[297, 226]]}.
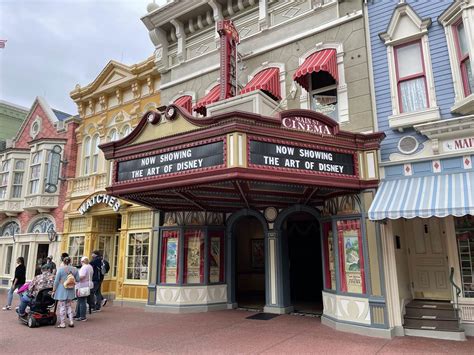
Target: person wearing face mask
{"points": [[18, 281]]}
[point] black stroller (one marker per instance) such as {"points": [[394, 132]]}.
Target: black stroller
{"points": [[41, 310]]}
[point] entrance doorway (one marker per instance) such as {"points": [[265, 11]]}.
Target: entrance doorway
{"points": [[41, 254], [250, 263], [305, 263]]}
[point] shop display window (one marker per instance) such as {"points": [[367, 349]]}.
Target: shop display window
{"points": [[465, 239], [351, 259], [216, 256], [76, 249], [169, 257], [329, 257], [193, 256], [137, 256]]}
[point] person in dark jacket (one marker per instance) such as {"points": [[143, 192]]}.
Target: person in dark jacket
{"points": [[18, 281], [97, 279]]}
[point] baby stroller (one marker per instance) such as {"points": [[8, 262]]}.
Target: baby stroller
{"points": [[41, 310]]}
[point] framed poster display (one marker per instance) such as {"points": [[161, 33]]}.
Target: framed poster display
{"points": [[329, 257], [169, 259], [257, 253], [194, 256], [216, 256]]}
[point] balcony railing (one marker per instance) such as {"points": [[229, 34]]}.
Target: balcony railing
{"points": [[87, 185]]}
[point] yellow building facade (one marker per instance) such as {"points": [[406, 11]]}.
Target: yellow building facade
{"points": [[109, 108]]}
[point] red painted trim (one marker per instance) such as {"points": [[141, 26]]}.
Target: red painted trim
{"points": [[461, 58], [410, 77]]}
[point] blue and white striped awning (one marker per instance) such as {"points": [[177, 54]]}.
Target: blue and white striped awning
{"points": [[428, 196]]}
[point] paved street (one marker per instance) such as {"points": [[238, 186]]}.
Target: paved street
{"points": [[132, 330]]}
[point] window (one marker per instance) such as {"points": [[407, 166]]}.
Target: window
{"points": [[8, 260], [324, 94], [193, 257], [463, 58], [18, 172], [105, 244], [25, 250], [329, 257], [351, 261], [4, 172], [113, 135], [464, 227], [216, 256], [137, 256], [126, 131], [169, 257], [411, 79], [76, 249], [42, 225], [9, 229], [95, 153], [87, 156], [35, 173]]}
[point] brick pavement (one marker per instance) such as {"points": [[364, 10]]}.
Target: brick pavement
{"points": [[120, 330]]}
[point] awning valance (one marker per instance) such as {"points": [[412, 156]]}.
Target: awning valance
{"points": [[323, 60], [211, 97], [267, 80], [185, 101], [428, 196]]}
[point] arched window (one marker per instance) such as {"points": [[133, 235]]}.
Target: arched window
{"points": [[113, 135], [95, 153], [10, 229], [41, 225], [87, 155], [35, 173], [125, 131]]}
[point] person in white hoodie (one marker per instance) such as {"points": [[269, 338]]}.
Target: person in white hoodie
{"points": [[85, 280]]}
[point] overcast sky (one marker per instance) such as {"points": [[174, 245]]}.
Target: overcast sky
{"points": [[55, 44]]}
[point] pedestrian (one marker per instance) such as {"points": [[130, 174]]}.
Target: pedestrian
{"points": [[18, 281], [64, 291], [51, 264], [104, 270], [85, 281], [63, 255], [96, 264]]}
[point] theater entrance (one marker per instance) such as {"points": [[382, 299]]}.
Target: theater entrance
{"points": [[305, 268], [250, 264]]}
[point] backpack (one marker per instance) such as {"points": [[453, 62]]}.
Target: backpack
{"points": [[105, 267], [70, 281]]}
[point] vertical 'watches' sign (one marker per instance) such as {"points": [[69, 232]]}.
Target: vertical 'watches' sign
{"points": [[229, 38]]}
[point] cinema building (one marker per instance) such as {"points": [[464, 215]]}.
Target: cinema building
{"points": [[261, 189], [110, 107]]}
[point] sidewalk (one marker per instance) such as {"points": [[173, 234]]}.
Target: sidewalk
{"points": [[120, 330]]}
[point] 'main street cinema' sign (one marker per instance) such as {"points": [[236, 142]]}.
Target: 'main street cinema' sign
{"points": [[306, 124], [285, 156], [197, 157]]}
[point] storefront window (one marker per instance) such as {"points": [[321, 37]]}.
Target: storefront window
{"points": [[8, 259], [115, 261], [194, 256], [76, 249], [137, 258], [169, 258], [465, 238], [351, 261], [216, 256], [329, 257]]}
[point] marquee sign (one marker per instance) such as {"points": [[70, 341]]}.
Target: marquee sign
{"points": [[229, 38], [188, 159], [307, 124], [458, 144], [99, 198], [293, 157]]}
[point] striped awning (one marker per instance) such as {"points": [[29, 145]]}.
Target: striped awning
{"points": [[185, 101], [267, 80], [323, 60], [211, 97], [428, 196]]}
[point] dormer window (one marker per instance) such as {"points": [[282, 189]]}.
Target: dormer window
{"points": [[18, 171]]}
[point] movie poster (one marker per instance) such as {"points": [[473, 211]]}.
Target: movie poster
{"points": [[215, 259], [171, 260], [352, 261], [194, 259], [331, 259]]}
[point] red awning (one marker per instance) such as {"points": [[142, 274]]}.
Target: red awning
{"points": [[267, 80], [324, 60], [211, 97], [185, 101]]}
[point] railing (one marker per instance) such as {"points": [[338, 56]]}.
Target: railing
{"points": [[456, 294], [87, 185]]}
